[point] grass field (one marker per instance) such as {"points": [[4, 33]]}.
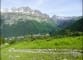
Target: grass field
{"points": [[46, 43]]}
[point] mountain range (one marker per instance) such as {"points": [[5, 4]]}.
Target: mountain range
{"points": [[24, 20]]}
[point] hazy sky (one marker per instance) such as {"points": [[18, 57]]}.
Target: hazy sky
{"points": [[51, 7]]}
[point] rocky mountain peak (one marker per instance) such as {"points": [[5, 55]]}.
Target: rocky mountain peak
{"points": [[26, 10]]}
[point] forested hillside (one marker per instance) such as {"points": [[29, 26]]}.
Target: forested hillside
{"points": [[19, 24], [76, 28]]}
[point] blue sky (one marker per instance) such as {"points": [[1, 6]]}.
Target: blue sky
{"points": [[51, 7]]}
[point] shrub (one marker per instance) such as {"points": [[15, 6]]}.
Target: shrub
{"points": [[12, 41], [2, 41]]}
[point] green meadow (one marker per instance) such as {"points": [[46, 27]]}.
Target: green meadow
{"points": [[70, 43]]}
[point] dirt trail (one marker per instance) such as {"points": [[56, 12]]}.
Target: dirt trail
{"points": [[54, 51]]}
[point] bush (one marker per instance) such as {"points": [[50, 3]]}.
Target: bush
{"points": [[2, 41], [12, 41], [77, 33]]}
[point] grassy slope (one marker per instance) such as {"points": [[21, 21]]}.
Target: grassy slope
{"points": [[66, 42]]}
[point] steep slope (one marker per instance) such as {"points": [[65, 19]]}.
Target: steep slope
{"points": [[77, 26], [74, 29], [24, 23], [63, 22]]}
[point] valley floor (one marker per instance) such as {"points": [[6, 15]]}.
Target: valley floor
{"points": [[66, 48]]}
